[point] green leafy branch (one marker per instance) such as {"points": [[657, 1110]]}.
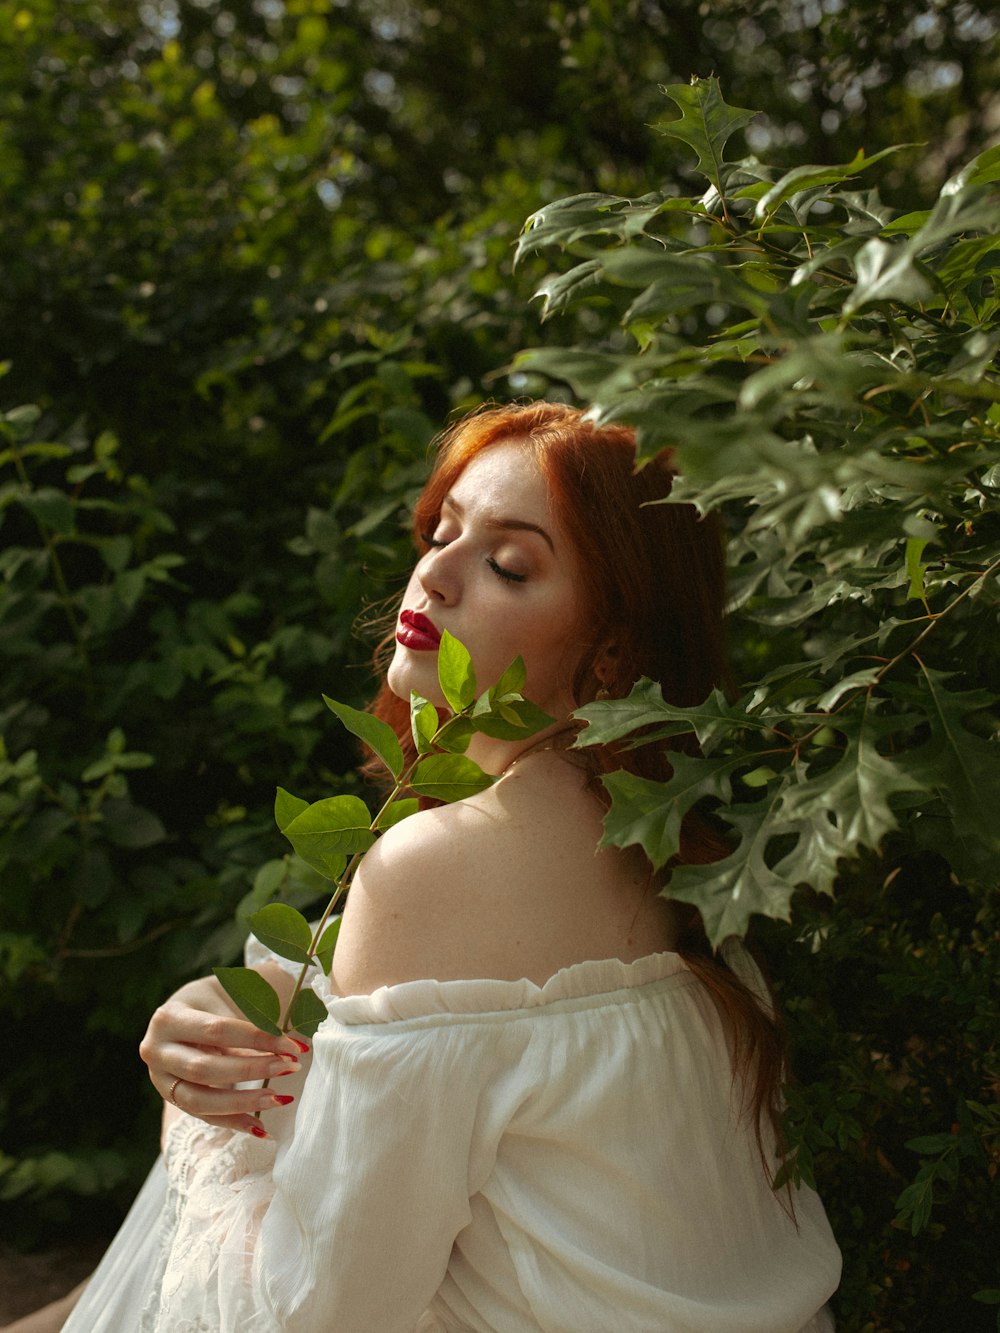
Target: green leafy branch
{"points": [[333, 834]]}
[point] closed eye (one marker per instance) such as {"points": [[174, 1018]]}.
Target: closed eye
{"points": [[506, 575]]}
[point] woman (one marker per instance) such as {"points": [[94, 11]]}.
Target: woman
{"points": [[537, 1101]]}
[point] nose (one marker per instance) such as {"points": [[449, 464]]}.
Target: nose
{"points": [[439, 575]]}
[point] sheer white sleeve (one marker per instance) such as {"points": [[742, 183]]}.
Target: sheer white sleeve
{"points": [[348, 1223], [375, 1185]]}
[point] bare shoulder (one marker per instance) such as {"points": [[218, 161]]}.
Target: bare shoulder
{"points": [[509, 883]]}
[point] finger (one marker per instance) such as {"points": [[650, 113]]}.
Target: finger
{"points": [[212, 1068], [176, 1021], [231, 1105], [241, 1124]]}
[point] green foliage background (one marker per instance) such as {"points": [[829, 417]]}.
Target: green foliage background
{"points": [[252, 257]]}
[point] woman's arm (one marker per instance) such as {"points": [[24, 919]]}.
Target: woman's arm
{"points": [[200, 1038]]}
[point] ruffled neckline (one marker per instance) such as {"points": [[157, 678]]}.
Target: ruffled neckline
{"points": [[588, 980]]}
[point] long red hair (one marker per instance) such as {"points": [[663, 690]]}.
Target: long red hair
{"points": [[653, 587]]}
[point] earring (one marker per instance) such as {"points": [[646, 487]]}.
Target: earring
{"points": [[603, 693]]}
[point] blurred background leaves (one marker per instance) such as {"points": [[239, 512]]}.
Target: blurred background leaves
{"points": [[252, 256]]}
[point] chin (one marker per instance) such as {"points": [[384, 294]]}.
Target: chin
{"points": [[405, 678]]}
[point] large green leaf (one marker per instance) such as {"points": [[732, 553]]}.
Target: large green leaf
{"points": [[855, 791], [564, 222], [803, 178], [963, 767], [728, 892], [644, 706], [649, 814], [816, 858]]}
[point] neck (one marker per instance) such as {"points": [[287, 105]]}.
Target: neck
{"points": [[496, 757]]}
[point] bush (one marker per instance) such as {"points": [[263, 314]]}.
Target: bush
{"points": [[826, 372]]}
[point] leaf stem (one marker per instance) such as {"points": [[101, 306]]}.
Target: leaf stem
{"points": [[935, 619], [342, 883]]}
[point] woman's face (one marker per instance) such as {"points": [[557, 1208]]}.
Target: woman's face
{"points": [[500, 576]]}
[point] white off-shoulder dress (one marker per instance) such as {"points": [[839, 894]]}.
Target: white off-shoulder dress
{"points": [[493, 1156]]}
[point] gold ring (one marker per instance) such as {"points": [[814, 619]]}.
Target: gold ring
{"points": [[170, 1094]]}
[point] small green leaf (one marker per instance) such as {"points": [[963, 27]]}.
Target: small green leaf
{"points": [[53, 509], [375, 733], [808, 177], [513, 720], [914, 569], [253, 996], [706, 123], [327, 944], [423, 722], [512, 680], [129, 825], [455, 673], [962, 767], [932, 1143], [308, 1012], [329, 830], [887, 272], [398, 811], [449, 777], [287, 807], [455, 734], [283, 930]]}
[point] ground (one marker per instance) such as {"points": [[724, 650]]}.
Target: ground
{"points": [[28, 1281]]}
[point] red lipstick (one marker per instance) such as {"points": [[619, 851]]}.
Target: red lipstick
{"points": [[417, 632]]}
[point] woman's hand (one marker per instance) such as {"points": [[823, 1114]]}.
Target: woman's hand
{"points": [[198, 1047]]}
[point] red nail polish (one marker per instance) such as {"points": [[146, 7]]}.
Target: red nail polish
{"points": [[258, 1131], [282, 1072], [300, 1044], [283, 1101]]}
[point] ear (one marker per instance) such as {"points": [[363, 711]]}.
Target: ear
{"points": [[606, 662]]}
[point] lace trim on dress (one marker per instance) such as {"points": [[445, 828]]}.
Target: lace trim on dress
{"points": [[219, 1185]]}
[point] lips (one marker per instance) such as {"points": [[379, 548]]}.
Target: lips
{"points": [[417, 632]]}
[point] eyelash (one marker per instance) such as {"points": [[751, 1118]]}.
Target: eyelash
{"points": [[504, 575]]}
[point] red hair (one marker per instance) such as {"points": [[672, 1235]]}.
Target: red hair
{"points": [[653, 574], [653, 590]]}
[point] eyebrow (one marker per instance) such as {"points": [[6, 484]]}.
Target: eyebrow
{"points": [[504, 524]]}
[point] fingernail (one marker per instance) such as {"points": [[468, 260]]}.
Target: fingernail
{"points": [[281, 1101], [280, 1073], [300, 1044], [258, 1131]]}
